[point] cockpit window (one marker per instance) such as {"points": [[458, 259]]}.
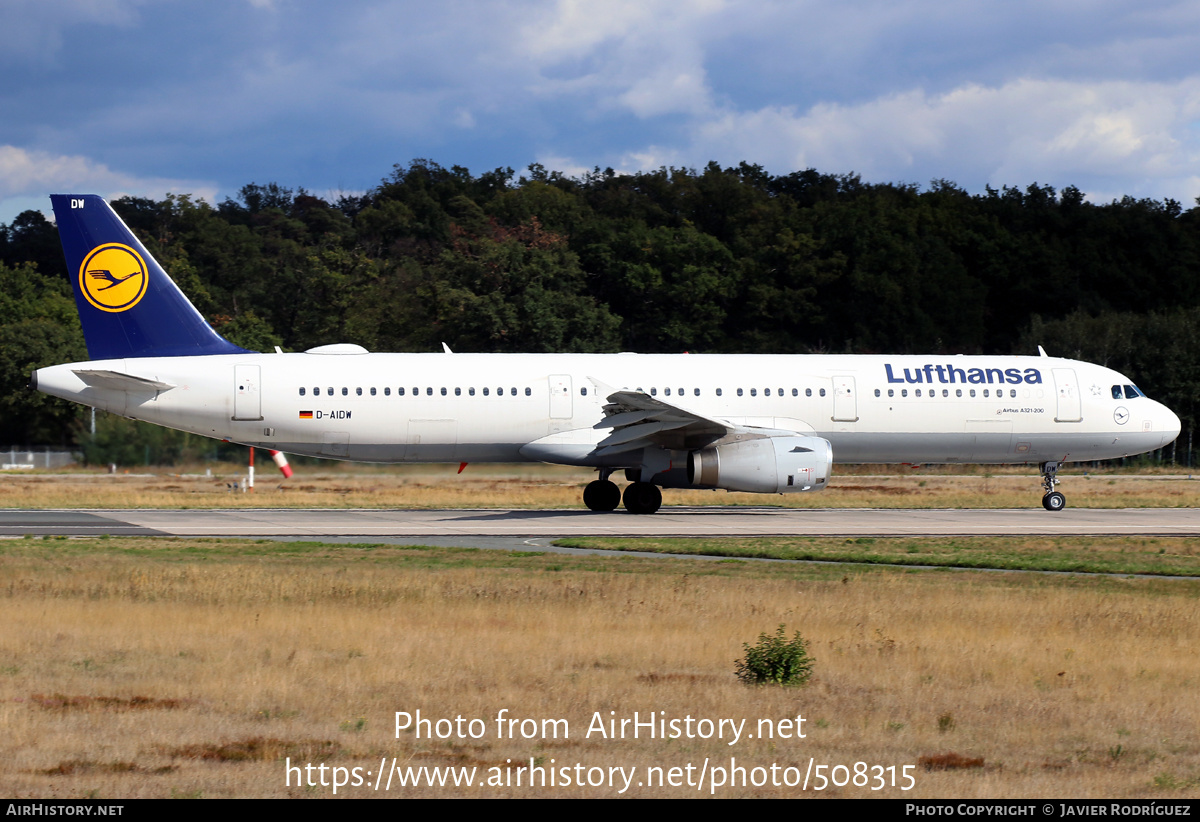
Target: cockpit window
{"points": [[1116, 392], [1131, 391]]}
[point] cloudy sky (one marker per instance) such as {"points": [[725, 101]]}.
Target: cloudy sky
{"points": [[149, 96]]}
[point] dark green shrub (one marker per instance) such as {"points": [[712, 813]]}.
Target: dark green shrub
{"points": [[776, 659]]}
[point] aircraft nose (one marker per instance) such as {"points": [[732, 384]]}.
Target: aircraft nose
{"points": [[1171, 425]]}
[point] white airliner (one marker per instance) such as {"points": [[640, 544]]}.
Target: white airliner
{"points": [[759, 423]]}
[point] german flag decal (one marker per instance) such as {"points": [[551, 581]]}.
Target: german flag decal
{"points": [[306, 415]]}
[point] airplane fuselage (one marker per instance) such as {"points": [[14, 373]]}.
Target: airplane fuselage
{"points": [[543, 407]]}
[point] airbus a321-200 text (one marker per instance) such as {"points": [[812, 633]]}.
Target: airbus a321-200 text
{"points": [[771, 424]]}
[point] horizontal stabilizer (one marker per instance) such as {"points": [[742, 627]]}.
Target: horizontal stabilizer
{"points": [[116, 381]]}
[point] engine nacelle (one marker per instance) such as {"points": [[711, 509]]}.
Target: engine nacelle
{"points": [[768, 465]]}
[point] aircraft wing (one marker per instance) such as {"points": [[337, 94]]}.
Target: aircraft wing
{"points": [[638, 421]]}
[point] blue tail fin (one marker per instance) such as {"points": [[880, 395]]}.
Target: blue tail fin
{"points": [[128, 305]]}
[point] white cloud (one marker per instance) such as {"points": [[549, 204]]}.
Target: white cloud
{"points": [[642, 56], [570, 28], [1053, 131], [27, 178]]}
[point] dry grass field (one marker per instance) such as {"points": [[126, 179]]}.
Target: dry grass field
{"points": [[542, 486], [193, 668]]}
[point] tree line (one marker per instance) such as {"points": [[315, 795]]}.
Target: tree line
{"points": [[718, 260]]}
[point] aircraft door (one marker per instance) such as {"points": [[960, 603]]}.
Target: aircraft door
{"points": [[247, 398], [1069, 408], [560, 397], [845, 403]]}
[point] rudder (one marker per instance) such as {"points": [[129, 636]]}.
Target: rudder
{"points": [[127, 304]]}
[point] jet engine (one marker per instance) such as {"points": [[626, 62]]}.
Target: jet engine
{"points": [[766, 465]]}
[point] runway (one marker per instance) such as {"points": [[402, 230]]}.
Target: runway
{"points": [[469, 527]]}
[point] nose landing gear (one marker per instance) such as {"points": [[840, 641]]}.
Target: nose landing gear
{"points": [[1053, 500]]}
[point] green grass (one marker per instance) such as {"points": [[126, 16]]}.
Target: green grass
{"points": [[1162, 556], [1166, 556]]}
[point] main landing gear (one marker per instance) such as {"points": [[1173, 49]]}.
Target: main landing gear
{"points": [[1052, 501], [604, 495], [642, 498]]}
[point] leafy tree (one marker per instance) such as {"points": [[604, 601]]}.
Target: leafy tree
{"points": [[38, 327]]}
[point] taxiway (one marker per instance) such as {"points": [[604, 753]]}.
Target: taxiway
{"points": [[467, 526]]}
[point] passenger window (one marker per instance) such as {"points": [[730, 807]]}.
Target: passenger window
{"points": [[372, 391], [958, 392], [443, 390], [485, 392], [904, 392], [357, 391], [666, 392], [718, 392], [471, 392], [877, 392], [1012, 392], [514, 391], [696, 391], [654, 392], [528, 392], [795, 392], [583, 392], [822, 392], [739, 392], [891, 392], [457, 392], [302, 391], [808, 392], [766, 392], [680, 393], [400, 392], [972, 392], [946, 392], [345, 391], [754, 392], [917, 393], [429, 390], [387, 392], [329, 391], [985, 392]]}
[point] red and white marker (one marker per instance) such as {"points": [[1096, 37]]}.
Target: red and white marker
{"points": [[281, 460]]}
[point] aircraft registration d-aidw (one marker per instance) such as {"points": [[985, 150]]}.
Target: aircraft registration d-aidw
{"points": [[759, 423]]}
